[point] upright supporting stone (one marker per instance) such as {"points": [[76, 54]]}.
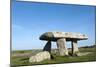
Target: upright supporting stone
{"points": [[61, 38], [47, 46], [74, 47], [61, 47]]}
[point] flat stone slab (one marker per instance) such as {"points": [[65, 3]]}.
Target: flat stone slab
{"points": [[53, 36]]}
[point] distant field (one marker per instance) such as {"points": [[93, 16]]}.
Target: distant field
{"points": [[21, 57]]}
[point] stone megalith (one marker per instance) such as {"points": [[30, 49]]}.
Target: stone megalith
{"points": [[61, 38], [74, 47], [47, 46], [61, 46], [40, 57]]}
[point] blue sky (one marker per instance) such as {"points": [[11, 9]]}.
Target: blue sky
{"points": [[31, 19]]}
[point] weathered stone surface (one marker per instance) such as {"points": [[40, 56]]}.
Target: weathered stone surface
{"points": [[47, 47], [61, 38], [53, 36], [40, 57], [61, 47], [75, 47]]}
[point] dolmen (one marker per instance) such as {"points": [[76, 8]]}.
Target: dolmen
{"points": [[61, 39]]}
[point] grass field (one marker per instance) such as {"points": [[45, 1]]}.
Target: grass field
{"points": [[21, 57]]}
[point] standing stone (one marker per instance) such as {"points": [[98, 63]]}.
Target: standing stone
{"points": [[47, 47], [61, 47], [74, 47], [61, 38]]}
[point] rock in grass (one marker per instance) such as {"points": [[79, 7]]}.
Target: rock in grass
{"points": [[40, 57]]}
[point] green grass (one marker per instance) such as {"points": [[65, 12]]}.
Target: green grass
{"points": [[26, 51], [20, 61]]}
